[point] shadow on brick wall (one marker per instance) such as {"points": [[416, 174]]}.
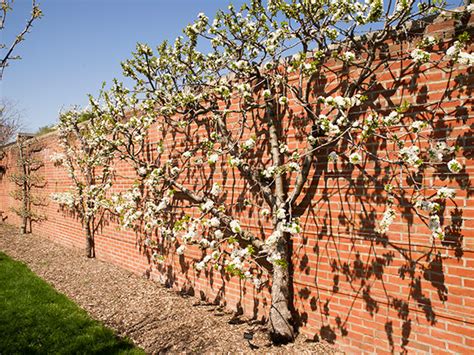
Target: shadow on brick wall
{"points": [[361, 260]]}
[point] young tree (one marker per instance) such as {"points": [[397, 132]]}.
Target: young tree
{"points": [[27, 180], [7, 49], [9, 121], [88, 162], [298, 66]]}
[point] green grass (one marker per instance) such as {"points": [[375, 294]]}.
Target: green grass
{"points": [[35, 319]]}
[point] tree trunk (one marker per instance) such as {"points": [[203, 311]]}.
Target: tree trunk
{"points": [[24, 189], [90, 251], [281, 320], [27, 218]]}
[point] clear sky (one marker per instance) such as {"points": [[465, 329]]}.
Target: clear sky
{"points": [[78, 44]]}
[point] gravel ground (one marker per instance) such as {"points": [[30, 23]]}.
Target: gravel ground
{"points": [[157, 319]]}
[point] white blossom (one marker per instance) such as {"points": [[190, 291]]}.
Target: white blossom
{"points": [[281, 213], [293, 166], [387, 220], [293, 227], [311, 139], [342, 103], [427, 206], [214, 222], [234, 161], [274, 257], [241, 64], [237, 263], [163, 204], [445, 192], [410, 156], [348, 56], [454, 166], [457, 55], [438, 152], [392, 119], [283, 148], [64, 198], [200, 265], [57, 158], [269, 172], [181, 249], [207, 206], [453, 50], [249, 144], [267, 94], [235, 226], [283, 100], [190, 235], [187, 154], [213, 158], [420, 56], [435, 227], [355, 158], [204, 243], [466, 58], [296, 57], [216, 189], [417, 126], [429, 41]]}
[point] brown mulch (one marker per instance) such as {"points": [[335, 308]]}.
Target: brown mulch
{"points": [[157, 319]]}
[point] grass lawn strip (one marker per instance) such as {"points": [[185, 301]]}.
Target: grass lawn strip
{"points": [[35, 318]]}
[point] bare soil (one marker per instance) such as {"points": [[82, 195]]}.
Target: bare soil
{"points": [[155, 318]]}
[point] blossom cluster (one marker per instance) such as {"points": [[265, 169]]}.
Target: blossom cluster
{"points": [[57, 158], [456, 53], [66, 199]]}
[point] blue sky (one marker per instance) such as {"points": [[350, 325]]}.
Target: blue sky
{"points": [[78, 44]]}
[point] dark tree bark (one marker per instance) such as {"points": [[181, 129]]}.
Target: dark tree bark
{"points": [[90, 250], [281, 319]]}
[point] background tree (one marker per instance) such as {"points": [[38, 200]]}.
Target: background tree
{"points": [[10, 121], [7, 49], [299, 67], [27, 181], [45, 129]]}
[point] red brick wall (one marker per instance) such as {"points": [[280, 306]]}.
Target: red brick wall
{"points": [[350, 287]]}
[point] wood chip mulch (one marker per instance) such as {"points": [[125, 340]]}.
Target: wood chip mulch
{"points": [[155, 318]]}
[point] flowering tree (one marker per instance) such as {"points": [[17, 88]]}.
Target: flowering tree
{"points": [[88, 162], [27, 181], [283, 84]]}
